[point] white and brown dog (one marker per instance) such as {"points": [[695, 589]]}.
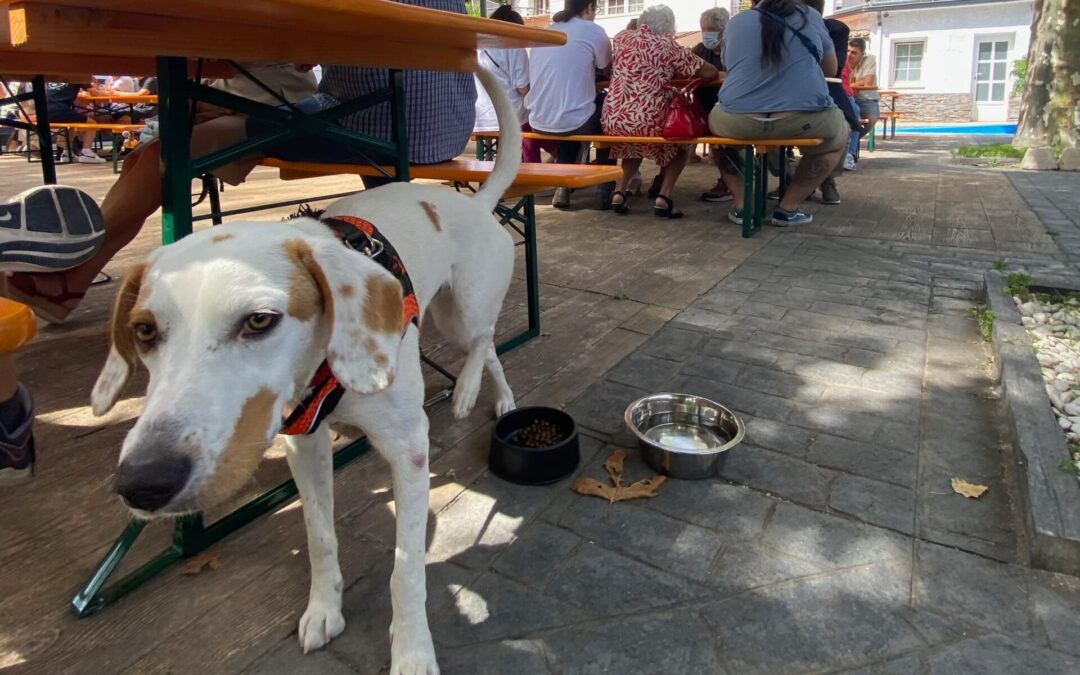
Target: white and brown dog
{"points": [[232, 324]]}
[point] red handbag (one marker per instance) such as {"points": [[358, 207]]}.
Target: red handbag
{"points": [[685, 117]]}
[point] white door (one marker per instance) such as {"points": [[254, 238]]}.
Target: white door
{"points": [[991, 95]]}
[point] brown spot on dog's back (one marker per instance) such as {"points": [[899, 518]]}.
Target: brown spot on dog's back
{"points": [[249, 439], [432, 215], [381, 360], [347, 290], [308, 290], [370, 345], [382, 304], [218, 238]]}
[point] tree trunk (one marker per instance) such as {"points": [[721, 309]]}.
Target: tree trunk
{"points": [[1050, 111]]}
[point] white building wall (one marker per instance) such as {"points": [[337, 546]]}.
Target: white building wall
{"points": [[950, 35]]}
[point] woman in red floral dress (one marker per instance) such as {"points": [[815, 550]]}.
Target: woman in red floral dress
{"points": [[645, 61]]}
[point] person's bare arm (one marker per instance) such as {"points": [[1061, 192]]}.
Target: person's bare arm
{"points": [[866, 81], [707, 71], [828, 64]]}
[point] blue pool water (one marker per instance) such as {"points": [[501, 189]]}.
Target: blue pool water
{"points": [[1003, 129]]}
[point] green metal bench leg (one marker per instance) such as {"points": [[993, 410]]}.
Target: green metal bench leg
{"points": [[870, 139], [761, 188], [115, 153], [44, 134], [748, 193], [532, 270], [175, 149]]}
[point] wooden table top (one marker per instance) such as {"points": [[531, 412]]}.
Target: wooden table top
{"points": [[368, 32]]}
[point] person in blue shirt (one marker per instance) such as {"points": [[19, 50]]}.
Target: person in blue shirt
{"points": [[777, 56]]}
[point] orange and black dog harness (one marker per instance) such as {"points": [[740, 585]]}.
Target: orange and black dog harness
{"points": [[324, 391]]}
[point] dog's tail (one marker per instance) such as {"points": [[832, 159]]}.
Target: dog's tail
{"points": [[508, 160]]}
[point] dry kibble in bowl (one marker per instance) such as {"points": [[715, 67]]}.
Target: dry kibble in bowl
{"points": [[538, 434]]}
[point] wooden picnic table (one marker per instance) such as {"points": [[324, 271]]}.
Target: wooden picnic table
{"points": [[374, 33]]}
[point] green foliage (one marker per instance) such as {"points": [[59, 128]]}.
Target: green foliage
{"points": [[1072, 465], [1000, 265], [1019, 283], [985, 318], [990, 150], [473, 8], [1019, 73]]}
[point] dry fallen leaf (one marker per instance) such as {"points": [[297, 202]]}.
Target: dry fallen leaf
{"points": [[614, 466], [967, 489], [642, 488], [207, 559], [617, 492], [591, 486]]}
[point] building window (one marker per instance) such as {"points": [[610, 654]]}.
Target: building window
{"points": [[539, 7], [907, 61], [615, 7]]}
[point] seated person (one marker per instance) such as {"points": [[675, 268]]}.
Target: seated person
{"points": [[838, 32], [864, 74], [439, 108], [645, 61], [712, 21], [63, 107], [562, 98], [774, 88], [137, 193]]}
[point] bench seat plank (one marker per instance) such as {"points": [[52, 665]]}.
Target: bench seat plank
{"points": [[462, 170]]}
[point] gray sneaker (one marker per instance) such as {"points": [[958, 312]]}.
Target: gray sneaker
{"points": [[17, 443], [49, 228], [782, 218]]}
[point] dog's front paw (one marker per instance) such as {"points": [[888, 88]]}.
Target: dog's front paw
{"points": [[412, 653], [321, 623]]}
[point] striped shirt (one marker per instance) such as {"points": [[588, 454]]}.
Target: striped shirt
{"points": [[439, 106]]}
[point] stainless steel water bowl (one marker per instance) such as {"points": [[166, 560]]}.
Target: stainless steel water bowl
{"points": [[682, 435]]}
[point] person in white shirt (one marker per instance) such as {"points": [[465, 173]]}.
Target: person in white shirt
{"points": [[511, 68], [562, 99]]}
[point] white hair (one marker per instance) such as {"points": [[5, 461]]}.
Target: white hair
{"points": [[660, 19], [715, 17]]}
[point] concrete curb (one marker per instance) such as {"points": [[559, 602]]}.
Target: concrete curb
{"points": [[1050, 497]]}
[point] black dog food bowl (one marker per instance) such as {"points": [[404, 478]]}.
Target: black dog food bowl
{"points": [[512, 460]]}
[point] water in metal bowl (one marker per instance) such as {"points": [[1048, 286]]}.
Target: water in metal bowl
{"points": [[682, 435]]}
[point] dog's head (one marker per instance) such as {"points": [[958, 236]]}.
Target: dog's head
{"points": [[231, 323]]}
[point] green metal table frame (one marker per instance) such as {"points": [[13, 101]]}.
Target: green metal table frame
{"points": [[177, 96], [40, 126]]}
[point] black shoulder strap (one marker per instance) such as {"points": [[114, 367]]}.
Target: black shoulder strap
{"points": [[810, 46]]}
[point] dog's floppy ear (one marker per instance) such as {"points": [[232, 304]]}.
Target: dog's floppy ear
{"points": [[122, 354], [363, 306]]}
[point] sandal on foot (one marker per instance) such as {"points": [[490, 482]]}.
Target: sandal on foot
{"points": [[53, 308], [48, 229], [621, 208], [666, 211]]}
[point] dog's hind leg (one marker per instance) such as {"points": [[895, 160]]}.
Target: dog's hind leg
{"points": [[467, 316], [311, 462]]}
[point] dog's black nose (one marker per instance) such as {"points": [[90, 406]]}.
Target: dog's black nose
{"points": [[150, 485]]}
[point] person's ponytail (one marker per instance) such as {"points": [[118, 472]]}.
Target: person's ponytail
{"points": [[772, 32]]}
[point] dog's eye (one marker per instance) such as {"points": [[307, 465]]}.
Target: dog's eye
{"points": [[259, 322], [145, 333]]}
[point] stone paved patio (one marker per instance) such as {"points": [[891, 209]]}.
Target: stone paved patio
{"points": [[831, 543]]}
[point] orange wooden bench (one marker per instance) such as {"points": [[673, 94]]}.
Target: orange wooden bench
{"points": [[115, 130], [755, 175]]}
